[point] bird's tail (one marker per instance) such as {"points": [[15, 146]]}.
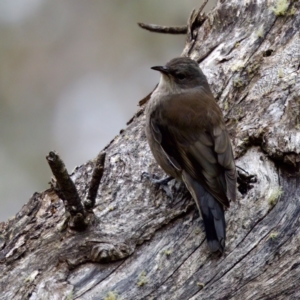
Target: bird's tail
{"points": [[212, 213]]}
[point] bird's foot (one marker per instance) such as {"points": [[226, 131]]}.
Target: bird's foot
{"points": [[162, 183], [245, 180]]}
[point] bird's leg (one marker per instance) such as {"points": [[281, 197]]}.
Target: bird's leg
{"points": [[163, 183]]}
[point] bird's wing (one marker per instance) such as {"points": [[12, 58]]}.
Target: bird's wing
{"points": [[194, 138]]}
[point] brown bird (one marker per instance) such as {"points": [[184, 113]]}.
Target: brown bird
{"points": [[187, 136]]}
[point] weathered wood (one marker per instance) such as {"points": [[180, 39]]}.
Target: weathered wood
{"points": [[140, 243]]}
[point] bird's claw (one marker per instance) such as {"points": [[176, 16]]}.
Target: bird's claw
{"points": [[245, 181], [162, 183]]}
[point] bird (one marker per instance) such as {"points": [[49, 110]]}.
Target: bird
{"points": [[188, 138]]}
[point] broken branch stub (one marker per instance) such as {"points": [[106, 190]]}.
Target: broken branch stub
{"points": [[65, 189], [89, 202]]}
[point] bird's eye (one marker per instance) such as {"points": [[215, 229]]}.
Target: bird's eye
{"points": [[180, 76]]}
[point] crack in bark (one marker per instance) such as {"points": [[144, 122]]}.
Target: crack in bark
{"points": [[98, 282], [252, 279], [175, 270]]}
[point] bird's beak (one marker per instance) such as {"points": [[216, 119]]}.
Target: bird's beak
{"points": [[161, 69]]}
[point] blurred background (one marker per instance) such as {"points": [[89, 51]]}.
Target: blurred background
{"points": [[71, 75]]}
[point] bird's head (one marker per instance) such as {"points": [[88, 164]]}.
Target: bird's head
{"points": [[181, 74]]}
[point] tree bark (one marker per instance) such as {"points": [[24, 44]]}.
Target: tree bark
{"points": [[143, 244]]}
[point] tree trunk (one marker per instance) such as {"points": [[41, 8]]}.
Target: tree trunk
{"points": [[143, 244]]}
